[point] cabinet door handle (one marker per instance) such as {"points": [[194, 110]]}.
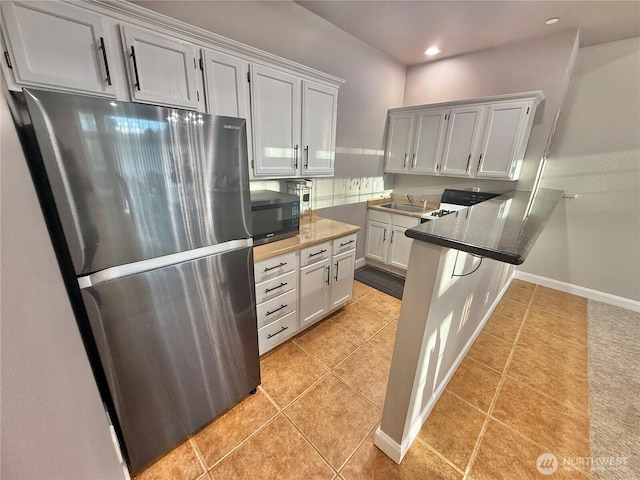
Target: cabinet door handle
{"points": [[414, 161], [277, 309], [336, 277], [393, 232], [384, 235], [306, 163], [468, 162], [347, 243], [135, 68], [282, 284], [281, 264], [404, 162], [317, 253], [295, 157], [104, 59], [479, 163], [271, 335], [328, 273]]}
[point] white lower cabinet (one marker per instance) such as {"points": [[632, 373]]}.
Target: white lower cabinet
{"points": [[314, 292], [386, 242], [290, 299], [276, 299], [343, 267]]}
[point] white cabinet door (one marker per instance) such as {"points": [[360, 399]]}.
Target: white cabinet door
{"points": [[314, 291], [58, 45], [428, 141], [399, 247], [226, 86], [501, 138], [376, 242], [275, 98], [319, 115], [343, 267], [162, 69], [399, 139], [461, 143]]}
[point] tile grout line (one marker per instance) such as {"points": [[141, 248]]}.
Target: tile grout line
{"points": [[494, 400], [440, 455]]}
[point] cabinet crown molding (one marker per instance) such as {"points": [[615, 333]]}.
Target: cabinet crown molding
{"points": [[537, 96], [204, 38]]}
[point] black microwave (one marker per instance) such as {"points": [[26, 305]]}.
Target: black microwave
{"points": [[274, 216]]}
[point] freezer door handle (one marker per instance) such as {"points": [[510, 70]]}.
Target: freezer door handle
{"points": [[160, 262]]}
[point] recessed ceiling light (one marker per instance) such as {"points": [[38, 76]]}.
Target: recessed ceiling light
{"points": [[553, 20], [432, 51]]}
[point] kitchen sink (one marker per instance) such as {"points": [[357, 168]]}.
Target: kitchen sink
{"points": [[403, 207]]}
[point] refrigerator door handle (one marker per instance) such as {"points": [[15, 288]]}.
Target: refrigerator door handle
{"points": [[160, 262]]}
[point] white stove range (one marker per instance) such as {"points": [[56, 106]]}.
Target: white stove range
{"points": [[445, 209], [455, 200]]}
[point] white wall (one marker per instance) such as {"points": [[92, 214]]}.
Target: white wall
{"points": [[53, 422], [593, 241], [541, 63]]}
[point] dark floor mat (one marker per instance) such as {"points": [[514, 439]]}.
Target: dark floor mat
{"points": [[383, 281]]}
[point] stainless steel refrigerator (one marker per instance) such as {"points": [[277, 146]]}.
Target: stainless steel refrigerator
{"points": [[153, 211]]}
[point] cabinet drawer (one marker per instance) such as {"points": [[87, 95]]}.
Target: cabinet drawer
{"points": [[276, 266], [277, 308], [315, 254], [405, 221], [279, 285], [378, 216], [277, 332], [344, 244]]}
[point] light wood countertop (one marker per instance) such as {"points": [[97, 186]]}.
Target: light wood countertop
{"points": [[313, 230], [376, 205]]}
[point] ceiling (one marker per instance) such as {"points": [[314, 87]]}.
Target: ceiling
{"points": [[405, 29]]}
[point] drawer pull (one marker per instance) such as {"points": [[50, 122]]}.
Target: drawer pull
{"points": [[267, 290], [277, 309], [282, 264], [317, 253], [347, 243], [271, 335]]}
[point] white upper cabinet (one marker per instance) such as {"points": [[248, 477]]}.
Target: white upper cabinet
{"points": [[502, 142], [294, 124], [415, 141], [484, 137], [399, 141], [162, 69], [57, 45], [319, 115], [428, 141], [226, 86], [462, 140], [275, 98]]}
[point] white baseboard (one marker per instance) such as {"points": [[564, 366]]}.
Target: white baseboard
{"points": [[360, 262], [580, 291], [389, 446]]}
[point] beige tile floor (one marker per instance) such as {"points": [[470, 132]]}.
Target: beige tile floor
{"points": [[520, 391]]}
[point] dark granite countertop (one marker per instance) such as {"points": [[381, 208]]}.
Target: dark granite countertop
{"points": [[503, 228]]}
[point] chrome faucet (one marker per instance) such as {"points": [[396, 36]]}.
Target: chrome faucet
{"points": [[410, 198]]}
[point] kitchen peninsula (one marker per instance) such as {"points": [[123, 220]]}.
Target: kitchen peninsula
{"points": [[459, 268]]}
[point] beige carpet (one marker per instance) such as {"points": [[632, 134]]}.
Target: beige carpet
{"points": [[614, 391]]}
